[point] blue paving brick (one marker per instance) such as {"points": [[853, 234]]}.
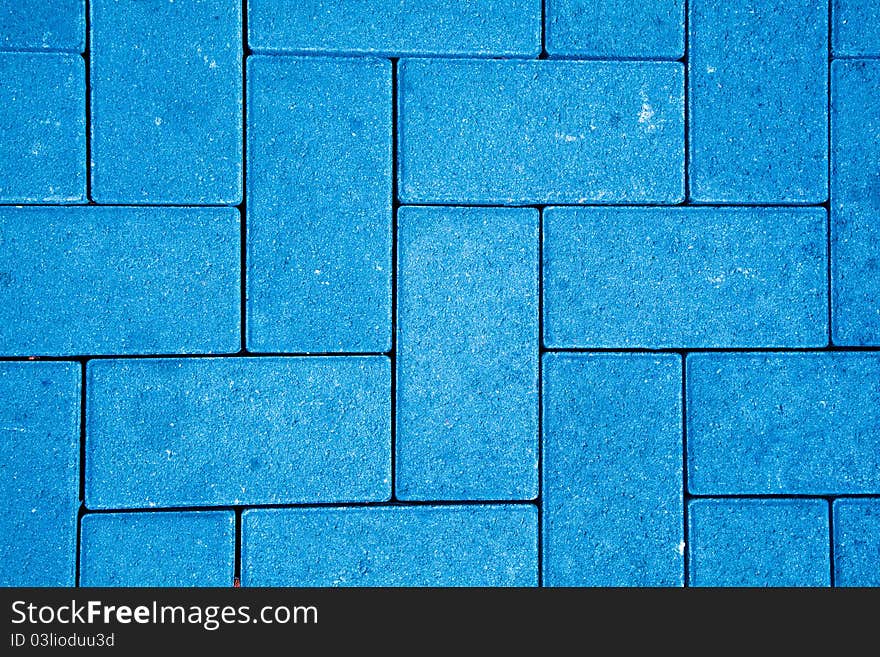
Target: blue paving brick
{"points": [[759, 543], [158, 549], [685, 277], [504, 132], [806, 423], [119, 281], [855, 203], [758, 101], [500, 28], [855, 28], [223, 431], [43, 25], [319, 231], [612, 29], [39, 460], [467, 354], [857, 542], [393, 546], [166, 84], [43, 122], [612, 485]]}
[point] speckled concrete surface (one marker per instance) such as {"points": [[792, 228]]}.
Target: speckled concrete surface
{"points": [[440, 293]]}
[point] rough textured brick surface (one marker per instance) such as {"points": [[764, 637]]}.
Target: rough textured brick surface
{"points": [[118, 281], [319, 204], [216, 431], [857, 542], [855, 203], [158, 549], [759, 543], [806, 423], [417, 546], [507, 28], [467, 354], [502, 132], [612, 487], [652, 29], [166, 83], [454, 332], [43, 123], [758, 101], [685, 277], [855, 28], [39, 427], [43, 25]]}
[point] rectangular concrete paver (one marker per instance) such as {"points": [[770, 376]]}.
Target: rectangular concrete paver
{"points": [[758, 75], [43, 122], [515, 133], [497, 28], [857, 542], [685, 277], [855, 28], [615, 29], [467, 354], [612, 489], [855, 203], [188, 548], [39, 447], [43, 25], [217, 431], [88, 280], [759, 543], [166, 87], [419, 546], [796, 423], [319, 204]]}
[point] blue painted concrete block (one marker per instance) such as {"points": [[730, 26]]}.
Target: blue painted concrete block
{"points": [[43, 25], [612, 487], [685, 277], [758, 101], [158, 549], [508, 133], [610, 29], [467, 354], [166, 82], [39, 459], [498, 28], [319, 205], [855, 28], [797, 423], [392, 546], [759, 543], [223, 431], [857, 542], [855, 203], [43, 122], [119, 281]]}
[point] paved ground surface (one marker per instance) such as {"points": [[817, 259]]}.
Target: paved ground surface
{"points": [[428, 292]]}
